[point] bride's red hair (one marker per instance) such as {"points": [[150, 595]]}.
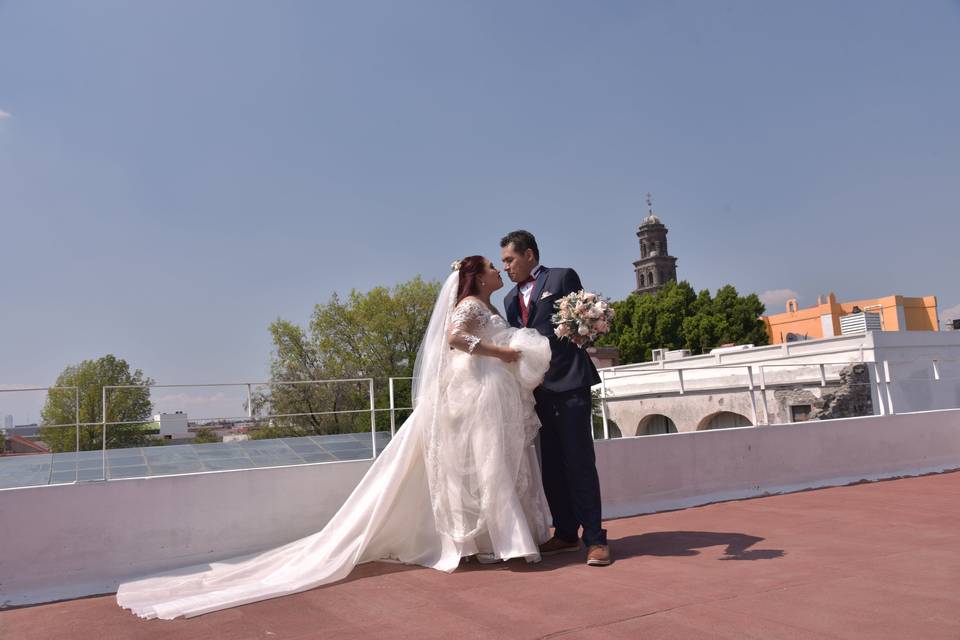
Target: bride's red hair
{"points": [[471, 270]]}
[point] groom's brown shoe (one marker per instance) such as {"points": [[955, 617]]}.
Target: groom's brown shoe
{"points": [[598, 555], [556, 545]]}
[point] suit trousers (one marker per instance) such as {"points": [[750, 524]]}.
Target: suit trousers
{"points": [[569, 465]]}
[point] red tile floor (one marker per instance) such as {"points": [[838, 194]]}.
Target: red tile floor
{"points": [[876, 560]]}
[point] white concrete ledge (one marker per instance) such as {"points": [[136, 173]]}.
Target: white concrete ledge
{"points": [[657, 473], [67, 541]]}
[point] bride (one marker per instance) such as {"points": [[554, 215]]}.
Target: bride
{"points": [[460, 478]]}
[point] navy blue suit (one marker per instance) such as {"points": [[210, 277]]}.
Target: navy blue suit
{"points": [[570, 478]]}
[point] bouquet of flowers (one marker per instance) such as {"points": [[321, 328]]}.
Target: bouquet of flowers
{"points": [[582, 317]]}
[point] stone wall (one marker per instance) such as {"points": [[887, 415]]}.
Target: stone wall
{"points": [[848, 398]]}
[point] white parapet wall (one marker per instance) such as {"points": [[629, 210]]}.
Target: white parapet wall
{"points": [[657, 473], [67, 541]]}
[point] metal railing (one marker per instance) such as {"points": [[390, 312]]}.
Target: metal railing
{"points": [[76, 403], [752, 379], [104, 424], [755, 381]]}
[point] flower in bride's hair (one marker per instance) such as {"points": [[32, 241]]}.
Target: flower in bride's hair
{"points": [[455, 265]]}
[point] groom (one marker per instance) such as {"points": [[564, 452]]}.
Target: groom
{"points": [[563, 402]]}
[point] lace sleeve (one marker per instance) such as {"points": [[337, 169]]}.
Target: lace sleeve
{"points": [[467, 319]]}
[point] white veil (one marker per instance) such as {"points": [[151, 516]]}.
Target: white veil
{"points": [[434, 347], [430, 380]]}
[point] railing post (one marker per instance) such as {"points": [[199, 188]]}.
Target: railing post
{"points": [[393, 417], [373, 422], [823, 376], [886, 382], [103, 434], [763, 395], [603, 403], [76, 417], [249, 402], [879, 385], [680, 380], [753, 395]]}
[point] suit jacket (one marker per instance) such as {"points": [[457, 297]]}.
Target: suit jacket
{"points": [[570, 366]]}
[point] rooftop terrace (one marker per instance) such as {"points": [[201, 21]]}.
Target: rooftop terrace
{"points": [[875, 560]]}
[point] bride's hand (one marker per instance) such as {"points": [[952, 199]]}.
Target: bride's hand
{"points": [[509, 355]]}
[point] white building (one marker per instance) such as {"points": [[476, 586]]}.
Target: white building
{"points": [[8, 421], [173, 426], [873, 373]]}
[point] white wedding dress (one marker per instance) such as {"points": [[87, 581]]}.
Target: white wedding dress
{"points": [[461, 477]]}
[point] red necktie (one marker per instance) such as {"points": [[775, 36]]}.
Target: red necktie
{"points": [[524, 307]]}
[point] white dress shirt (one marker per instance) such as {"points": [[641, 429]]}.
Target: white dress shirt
{"points": [[527, 290]]}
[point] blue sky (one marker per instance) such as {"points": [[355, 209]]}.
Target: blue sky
{"points": [[176, 175]]}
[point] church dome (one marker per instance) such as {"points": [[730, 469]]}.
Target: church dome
{"points": [[650, 219]]}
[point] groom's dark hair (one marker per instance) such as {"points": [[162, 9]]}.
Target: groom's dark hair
{"points": [[521, 240]]}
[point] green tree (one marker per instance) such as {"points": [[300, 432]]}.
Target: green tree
{"points": [[123, 405], [369, 335], [676, 317]]}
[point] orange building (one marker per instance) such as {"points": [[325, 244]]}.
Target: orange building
{"points": [[896, 313]]}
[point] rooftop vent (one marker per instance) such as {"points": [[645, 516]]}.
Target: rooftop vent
{"points": [[854, 323]]}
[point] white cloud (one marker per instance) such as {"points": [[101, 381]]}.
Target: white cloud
{"points": [[951, 313], [5, 114], [776, 299]]}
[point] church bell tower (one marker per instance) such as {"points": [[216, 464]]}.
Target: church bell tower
{"points": [[656, 266]]}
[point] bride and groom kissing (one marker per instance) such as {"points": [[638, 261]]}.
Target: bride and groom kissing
{"points": [[462, 478]]}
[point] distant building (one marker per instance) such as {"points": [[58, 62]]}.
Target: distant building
{"points": [[173, 426], [31, 430], [8, 421], [19, 445], [837, 377], [656, 266], [831, 318]]}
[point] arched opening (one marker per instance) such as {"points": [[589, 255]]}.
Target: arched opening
{"points": [[655, 424], [642, 282], [724, 420], [612, 429]]}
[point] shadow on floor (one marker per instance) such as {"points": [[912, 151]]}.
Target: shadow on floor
{"points": [[737, 546], [686, 543]]}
